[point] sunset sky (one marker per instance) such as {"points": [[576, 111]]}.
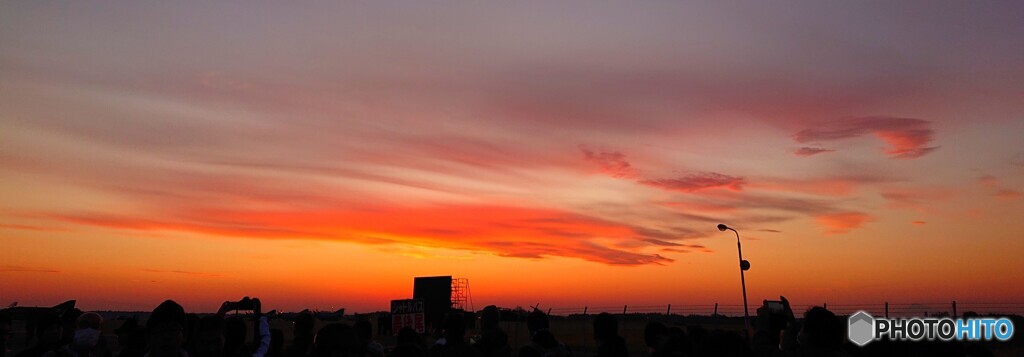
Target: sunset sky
{"points": [[568, 153]]}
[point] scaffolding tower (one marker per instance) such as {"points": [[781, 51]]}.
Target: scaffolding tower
{"points": [[462, 298]]}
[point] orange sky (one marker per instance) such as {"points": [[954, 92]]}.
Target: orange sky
{"points": [[323, 157]]}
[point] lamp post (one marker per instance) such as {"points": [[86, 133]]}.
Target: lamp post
{"points": [[744, 265]]}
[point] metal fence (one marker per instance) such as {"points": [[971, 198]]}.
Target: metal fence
{"points": [[948, 308]]}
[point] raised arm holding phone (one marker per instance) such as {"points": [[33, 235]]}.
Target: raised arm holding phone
{"points": [[261, 327]]}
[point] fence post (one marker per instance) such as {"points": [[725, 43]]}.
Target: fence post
{"points": [[954, 309], [668, 311], [716, 310], [887, 309]]}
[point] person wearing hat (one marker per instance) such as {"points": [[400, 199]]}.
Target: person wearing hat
{"points": [[165, 330]]}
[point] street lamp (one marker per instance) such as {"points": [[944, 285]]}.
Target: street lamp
{"points": [[744, 265]]}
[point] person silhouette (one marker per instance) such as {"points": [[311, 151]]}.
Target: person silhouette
{"points": [[408, 344], [132, 338], [5, 332], [821, 333], [674, 344], [165, 330], [302, 335], [208, 337], [493, 340], [453, 344], [364, 333], [655, 334], [234, 337], [542, 342], [335, 340], [606, 333], [48, 329], [276, 343], [69, 320], [86, 341]]}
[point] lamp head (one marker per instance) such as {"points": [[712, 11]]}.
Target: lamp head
{"points": [[722, 227]]}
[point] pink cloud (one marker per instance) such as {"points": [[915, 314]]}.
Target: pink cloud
{"points": [[918, 198], [842, 222], [613, 164], [908, 138], [988, 181], [698, 181], [998, 190], [823, 186], [810, 151], [1008, 194]]}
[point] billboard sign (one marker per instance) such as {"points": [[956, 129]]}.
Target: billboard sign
{"points": [[408, 313]]}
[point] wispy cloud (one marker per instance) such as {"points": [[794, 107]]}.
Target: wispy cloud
{"points": [[27, 227], [26, 269], [1008, 194], [997, 189], [908, 138], [183, 272], [698, 181], [687, 248], [613, 163], [616, 165], [988, 181], [502, 230], [833, 185], [916, 198], [810, 151]]}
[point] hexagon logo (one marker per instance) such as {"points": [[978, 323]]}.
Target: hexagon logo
{"points": [[861, 329]]}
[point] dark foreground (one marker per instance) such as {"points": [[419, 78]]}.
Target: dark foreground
{"points": [[169, 331]]}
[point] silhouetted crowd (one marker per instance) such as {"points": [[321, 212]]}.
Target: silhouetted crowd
{"points": [[171, 332]]}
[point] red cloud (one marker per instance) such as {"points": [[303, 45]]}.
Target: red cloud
{"points": [[613, 164], [698, 181], [1008, 194], [1001, 192], [907, 137], [988, 181], [824, 186], [842, 222], [916, 198], [809, 151], [502, 230]]}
